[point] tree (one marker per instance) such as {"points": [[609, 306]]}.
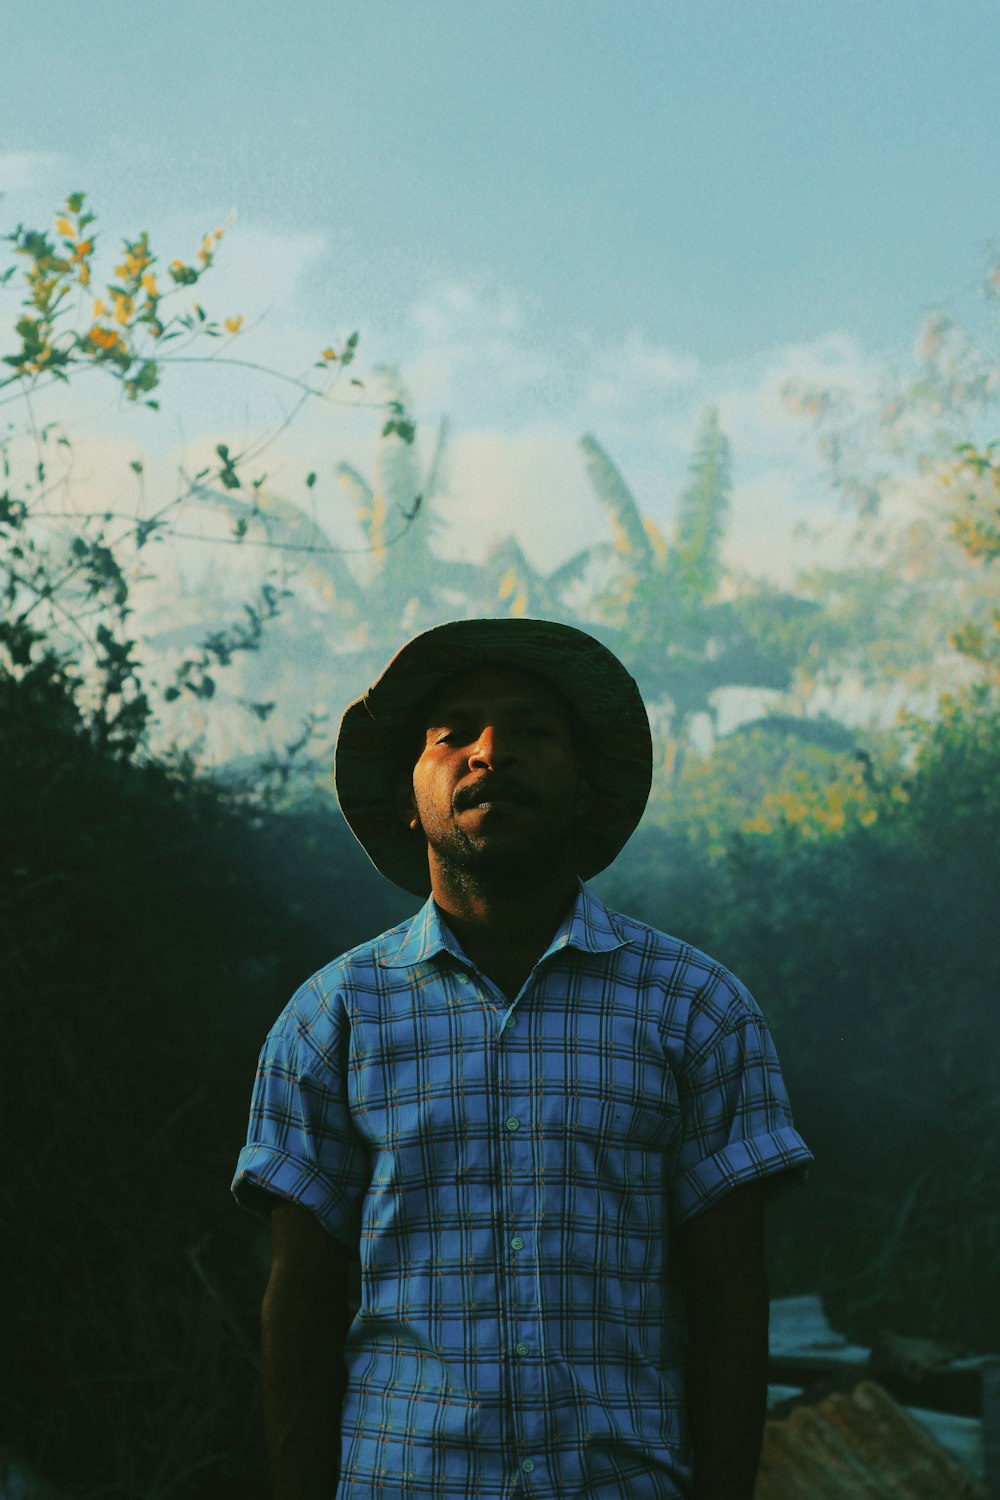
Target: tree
{"points": [[909, 460], [70, 577], [660, 602]]}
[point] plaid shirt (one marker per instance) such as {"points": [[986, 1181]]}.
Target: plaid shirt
{"points": [[510, 1174]]}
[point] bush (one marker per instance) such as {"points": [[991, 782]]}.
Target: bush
{"points": [[873, 954], [152, 928]]}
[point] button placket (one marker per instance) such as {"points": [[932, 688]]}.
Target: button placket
{"points": [[517, 1201]]}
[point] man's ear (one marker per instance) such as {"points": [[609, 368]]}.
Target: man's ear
{"points": [[406, 803]]}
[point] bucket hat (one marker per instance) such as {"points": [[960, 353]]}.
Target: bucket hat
{"points": [[617, 751]]}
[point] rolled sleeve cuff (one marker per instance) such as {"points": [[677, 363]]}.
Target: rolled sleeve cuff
{"points": [[263, 1170], [780, 1151]]}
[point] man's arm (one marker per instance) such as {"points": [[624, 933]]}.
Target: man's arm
{"points": [[727, 1309], [303, 1326]]}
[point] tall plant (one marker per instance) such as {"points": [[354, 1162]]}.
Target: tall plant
{"points": [[661, 602]]}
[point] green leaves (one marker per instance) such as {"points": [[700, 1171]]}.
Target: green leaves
{"points": [[399, 424], [704, 510], [146, 379], [617, 502], [227, 473], [130, 328]]}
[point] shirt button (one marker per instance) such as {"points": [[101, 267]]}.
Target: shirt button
{"points": [[521, 1349], [517, 1243], [512, 1123], [463, 978], [527, 1465], [511, 1020]]}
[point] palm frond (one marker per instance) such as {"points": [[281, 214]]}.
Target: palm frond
{"points": [[618, 503], [704, 509]]}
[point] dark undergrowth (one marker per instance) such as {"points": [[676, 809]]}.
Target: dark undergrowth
{"points": [[151, 926]]}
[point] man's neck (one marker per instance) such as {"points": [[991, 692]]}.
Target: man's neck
{"points": [[504, 932]]}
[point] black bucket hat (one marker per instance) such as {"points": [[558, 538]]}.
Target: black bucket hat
{"points": [[605, 699]]}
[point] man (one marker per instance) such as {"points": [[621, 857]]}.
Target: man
{"points": [[546, 1130]]}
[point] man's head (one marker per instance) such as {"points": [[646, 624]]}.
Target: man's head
{"points": [[497, 786], [539, 720]]}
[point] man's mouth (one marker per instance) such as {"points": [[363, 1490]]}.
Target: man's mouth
{"points": [[488, 795]]}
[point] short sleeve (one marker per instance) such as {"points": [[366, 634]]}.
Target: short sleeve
{"points": [[301, 1141], [736, 1120]]}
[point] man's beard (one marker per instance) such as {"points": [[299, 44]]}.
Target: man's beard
{"points": [[513, 866]]}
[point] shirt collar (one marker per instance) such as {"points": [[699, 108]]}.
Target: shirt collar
{"points": [[588, 926]]}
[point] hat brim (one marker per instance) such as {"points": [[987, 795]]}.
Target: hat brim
{"points": [[606, 700]]}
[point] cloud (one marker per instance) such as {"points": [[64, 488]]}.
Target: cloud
{"points": [[21, 171], [519, 397], [530, 484], [261, 271]]}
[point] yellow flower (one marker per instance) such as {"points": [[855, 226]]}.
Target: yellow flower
{"points": [[329, 354], [149, 285], [66, 229], [123, 308], [104, 338], [204, 255], [100, 311], [83, 275], [177, 265], [234, 324]]}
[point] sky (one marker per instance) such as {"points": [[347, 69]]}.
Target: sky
{"points": [[552, 216]]}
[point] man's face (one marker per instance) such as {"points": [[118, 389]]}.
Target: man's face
{"points": [[498, 787]]}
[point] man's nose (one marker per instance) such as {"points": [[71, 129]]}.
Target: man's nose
{"points": [[492, 748]]}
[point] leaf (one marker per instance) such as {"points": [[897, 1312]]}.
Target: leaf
{"points": [[617, 502], [704, 509]]}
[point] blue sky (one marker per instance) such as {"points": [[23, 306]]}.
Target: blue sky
{"points": [[725, 175], [555, 216]]}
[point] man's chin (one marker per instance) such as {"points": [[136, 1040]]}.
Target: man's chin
{"points": [[502, 859]]}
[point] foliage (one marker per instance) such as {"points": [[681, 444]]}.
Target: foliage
{"points": [[69, 577], [854, 888], [871, 948], [975, 526], [909, 462], [815, 774], [660, 602], [150, 928]]}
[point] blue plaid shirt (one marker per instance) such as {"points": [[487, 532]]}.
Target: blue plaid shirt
{"points": [[510, 1173]]}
